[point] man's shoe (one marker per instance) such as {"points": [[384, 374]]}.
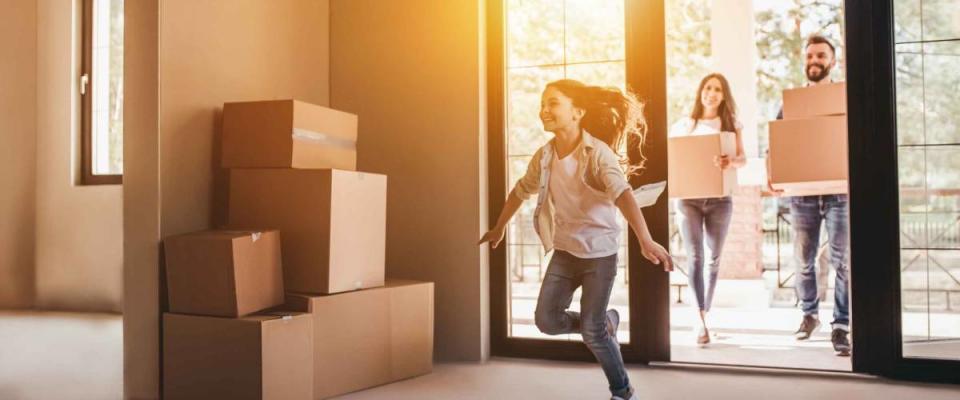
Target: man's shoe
{"points": [[613, 322], [807, 327], [840, 342]]}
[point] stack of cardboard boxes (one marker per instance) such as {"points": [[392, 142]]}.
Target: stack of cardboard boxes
{"points": [[293, 169], [808, 148]]}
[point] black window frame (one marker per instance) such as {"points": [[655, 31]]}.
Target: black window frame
{"points": [[647, 282]]}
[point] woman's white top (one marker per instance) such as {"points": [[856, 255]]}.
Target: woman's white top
{"points": [[703, 127]]}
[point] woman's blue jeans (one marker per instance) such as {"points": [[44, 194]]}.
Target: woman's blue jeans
{"points": [[703, 225]]}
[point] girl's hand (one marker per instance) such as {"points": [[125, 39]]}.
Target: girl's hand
{"points": [[654, 252], [494, 236], [723, 161]]}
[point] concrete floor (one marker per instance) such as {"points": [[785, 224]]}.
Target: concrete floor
{"points": [[79, 356], [522, 379], [52, 355]]}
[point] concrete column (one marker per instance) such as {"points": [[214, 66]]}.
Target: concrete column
{"points": [[734, 54]]}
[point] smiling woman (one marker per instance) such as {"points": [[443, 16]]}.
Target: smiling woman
{"points": [[101, 91]]}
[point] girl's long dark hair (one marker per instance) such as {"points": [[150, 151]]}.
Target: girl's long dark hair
{"points": [[613, 116], [727, 110]]}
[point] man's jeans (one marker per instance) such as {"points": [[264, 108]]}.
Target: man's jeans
{"points": [[704, 221], [808, 213], [565, 273]]}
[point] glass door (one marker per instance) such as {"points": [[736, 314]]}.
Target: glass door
{"points": [[927, 49], [531, 43], [904, 152], [547, 41]]}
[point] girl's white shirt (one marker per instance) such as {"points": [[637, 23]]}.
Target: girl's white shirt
{"points": [[585, 218]]}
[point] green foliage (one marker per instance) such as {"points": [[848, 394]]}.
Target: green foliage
{"points": [[781, 33], [688, 53]]}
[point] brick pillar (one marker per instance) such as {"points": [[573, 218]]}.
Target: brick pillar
{"points": [[742, 256]]}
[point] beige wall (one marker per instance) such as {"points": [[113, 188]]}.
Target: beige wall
{"points": [[185, 59], [18, 117], [214, 51], [413, 72], [79, 246]]}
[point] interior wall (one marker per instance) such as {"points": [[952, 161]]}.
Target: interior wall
{"points": [[217, 51], [18, 118], [414, 73], [141, 202], [79, 228], [205, 53]]}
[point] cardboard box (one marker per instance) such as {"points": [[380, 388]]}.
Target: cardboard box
{"points": [[223, 273], [288, 134], [333, 223], [809, 156], [691, 172], [369, 337], [266, 356], [815, 101]]}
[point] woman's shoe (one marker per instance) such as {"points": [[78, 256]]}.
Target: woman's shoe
{"points": [[703, 337]]}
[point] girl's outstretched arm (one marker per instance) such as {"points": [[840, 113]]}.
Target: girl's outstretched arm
{"points": [[527, 186], [510, 207], [650, 249]]}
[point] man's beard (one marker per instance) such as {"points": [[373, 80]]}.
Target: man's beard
{"points": [[824, 72]]}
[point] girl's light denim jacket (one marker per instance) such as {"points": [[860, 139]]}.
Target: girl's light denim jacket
{"points": [[598, 167]]}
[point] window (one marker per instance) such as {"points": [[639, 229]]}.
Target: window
{"points": [[549, 40], [101, 91], [928, 142]]}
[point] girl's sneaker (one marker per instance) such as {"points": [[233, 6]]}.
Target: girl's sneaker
{"points": [[613, 322]]}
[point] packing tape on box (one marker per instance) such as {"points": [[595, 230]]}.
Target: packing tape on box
{"points": [[309, 136], [256, 236], [284, 315]]}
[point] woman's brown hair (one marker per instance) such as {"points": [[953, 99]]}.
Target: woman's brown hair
{"points": [[727, 110]]}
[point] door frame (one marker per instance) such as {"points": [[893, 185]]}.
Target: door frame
{"points": [[873, 195], [647, 282]]}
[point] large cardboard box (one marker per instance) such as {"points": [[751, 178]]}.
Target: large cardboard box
{"points": [[288, 134], [369, 337], [333, 223], [809, 156], [691, 172], [267, 356], [223, 273], [815, 101]]}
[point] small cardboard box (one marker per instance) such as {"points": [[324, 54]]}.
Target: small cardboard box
{"points": [[268, 356], [815, 101], [223, 273], [809, 156], [288, 134], [333, 223], [369, 337], [691, 171]]}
